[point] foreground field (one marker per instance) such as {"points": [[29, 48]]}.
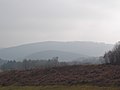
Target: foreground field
{"points": [[99, 75], [77, 87]]}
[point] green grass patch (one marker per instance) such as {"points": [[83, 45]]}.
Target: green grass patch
{"points": [[77, 87]]}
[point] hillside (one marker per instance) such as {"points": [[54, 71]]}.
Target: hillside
{"points": [[2, 61], [79, 47], [63, 56], [101, 75]]}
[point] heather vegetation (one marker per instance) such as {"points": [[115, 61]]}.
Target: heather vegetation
{"points": [[101, 75], [75, 87]]}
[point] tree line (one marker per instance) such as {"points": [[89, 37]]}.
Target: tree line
{"points": [[31, 64], [112, 57]]}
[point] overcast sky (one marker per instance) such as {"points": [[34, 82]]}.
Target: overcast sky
{"points": [[27, 21]]}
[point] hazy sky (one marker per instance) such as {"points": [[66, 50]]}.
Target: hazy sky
{"points": [[27, 21]]}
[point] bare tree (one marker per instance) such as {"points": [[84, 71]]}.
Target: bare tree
{"points": [[113, 56]]}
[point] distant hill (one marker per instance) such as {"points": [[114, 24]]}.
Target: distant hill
{"points": [[2, 61], [78, 47], [63, 56]]}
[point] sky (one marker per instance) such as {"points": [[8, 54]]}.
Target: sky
{"points": [[29, 21]]}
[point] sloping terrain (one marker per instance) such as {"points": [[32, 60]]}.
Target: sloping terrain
{"points": [[63, 56], [79, 47], [68, 75], [2, 61]]}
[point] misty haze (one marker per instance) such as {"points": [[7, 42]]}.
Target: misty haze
{"points": [[59, 44]]}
